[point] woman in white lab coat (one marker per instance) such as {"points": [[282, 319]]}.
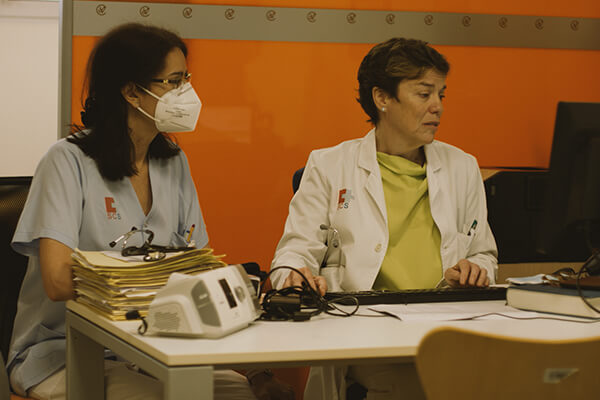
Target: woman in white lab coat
{"points": [[395, 209]]}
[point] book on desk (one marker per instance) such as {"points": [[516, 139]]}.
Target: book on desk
{"points": [[553, 299]]}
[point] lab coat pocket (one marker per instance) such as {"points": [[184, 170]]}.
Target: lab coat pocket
{"points": [[333, 276], [178, 240], [463, 244]]}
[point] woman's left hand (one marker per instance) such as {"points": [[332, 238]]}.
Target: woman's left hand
{"points": [[465, 273]]}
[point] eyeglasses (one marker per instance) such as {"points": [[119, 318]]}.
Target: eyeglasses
{"points": [[559, 276], [151, 252], [177, 82]]}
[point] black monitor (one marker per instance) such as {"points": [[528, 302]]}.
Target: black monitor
{"points": [[570, 223]]}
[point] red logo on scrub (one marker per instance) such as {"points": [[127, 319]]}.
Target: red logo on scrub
{"points": [[111, 211]]}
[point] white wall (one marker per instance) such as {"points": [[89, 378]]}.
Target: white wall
{"points": [[28, 83]]}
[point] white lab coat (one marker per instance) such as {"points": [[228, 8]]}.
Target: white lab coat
{"points": [[457, 199]]}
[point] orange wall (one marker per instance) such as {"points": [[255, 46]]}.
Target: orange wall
{"points": [[267, 104]]}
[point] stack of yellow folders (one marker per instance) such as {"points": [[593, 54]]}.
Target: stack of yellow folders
{"points": [[113, 285]]}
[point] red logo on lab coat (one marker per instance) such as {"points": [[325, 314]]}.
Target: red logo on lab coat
{"points": [[344, 197]]}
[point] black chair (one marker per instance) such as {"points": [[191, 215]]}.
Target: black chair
{"points": [[13, 193], [4, 389], [296, 179]]}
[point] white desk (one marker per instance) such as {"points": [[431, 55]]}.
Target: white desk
{"points": [[185, 366]]}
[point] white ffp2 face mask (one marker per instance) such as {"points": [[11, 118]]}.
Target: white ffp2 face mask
{"points": [[177, 110]]}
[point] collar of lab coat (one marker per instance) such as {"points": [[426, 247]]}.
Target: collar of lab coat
{"points": [[367, 155]]}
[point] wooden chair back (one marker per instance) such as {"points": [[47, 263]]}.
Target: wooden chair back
{"points": [[458, 364]]}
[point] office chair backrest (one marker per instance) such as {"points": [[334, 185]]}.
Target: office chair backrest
{"points": [[457, 364], [13, 193], [296, 179], [4, 389]]}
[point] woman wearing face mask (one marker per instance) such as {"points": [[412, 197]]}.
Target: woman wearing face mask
{"points": [[117, 172]]}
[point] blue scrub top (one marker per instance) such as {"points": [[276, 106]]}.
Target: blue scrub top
{"points": [[70, 201]]}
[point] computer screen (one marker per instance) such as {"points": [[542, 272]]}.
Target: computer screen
{"points": [[570, 223]]}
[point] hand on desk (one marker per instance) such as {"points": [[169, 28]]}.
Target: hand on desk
{"points": [[318, 282], [463, 274], [466, 273]]}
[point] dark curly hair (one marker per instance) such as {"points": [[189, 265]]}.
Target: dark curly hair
{"points": [[389, 63], [128, 53]]}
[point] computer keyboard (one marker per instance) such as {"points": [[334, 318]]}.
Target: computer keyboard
{"points": [[370, 297]]}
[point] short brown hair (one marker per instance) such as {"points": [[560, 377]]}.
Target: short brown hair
{"points": [[389, 63]]}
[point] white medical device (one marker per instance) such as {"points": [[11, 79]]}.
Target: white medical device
{"points": [[210, 304]]}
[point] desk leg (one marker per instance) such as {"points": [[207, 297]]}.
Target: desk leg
{"points": [[189, 383], [85, 367]]}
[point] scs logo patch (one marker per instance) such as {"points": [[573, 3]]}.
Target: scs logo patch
{"points": [[344, 197], [111, 211]]}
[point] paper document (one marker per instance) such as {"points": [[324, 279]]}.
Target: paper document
{"points": [[451, 311], [140, 259], [538, 279], [112, 284]]}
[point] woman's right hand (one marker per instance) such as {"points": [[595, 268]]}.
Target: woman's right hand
{"points": [[318, 282]]}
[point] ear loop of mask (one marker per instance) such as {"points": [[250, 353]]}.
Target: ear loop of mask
{"points": [[140, 108], [150, 116], [147, 115], [147, 91]]}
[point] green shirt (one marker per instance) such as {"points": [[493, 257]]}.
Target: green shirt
{"points": [[412, 259]]}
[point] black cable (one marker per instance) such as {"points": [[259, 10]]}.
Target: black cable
{"points": [[382, 315], [593, 321], [135, 314], [288, 303], [589, 240], [591, 261], [584, 267]]}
